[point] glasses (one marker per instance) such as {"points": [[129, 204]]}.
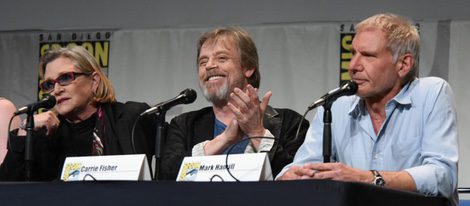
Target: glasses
{"points": [[63, 80]]}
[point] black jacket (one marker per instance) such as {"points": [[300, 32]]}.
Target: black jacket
{"points": [[50, 151], [189, 129]]}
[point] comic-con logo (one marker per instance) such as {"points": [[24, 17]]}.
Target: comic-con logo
{"points": [[189, 171], [345, 54], [72, 171]]}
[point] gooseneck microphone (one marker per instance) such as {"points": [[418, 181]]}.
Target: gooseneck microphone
{"points": [[46, 102], [349, 88], [185, 97]]}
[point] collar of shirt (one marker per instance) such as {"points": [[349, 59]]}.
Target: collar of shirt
{"points": [[403, 98]]}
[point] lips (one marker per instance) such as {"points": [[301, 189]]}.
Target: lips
{"points": [[61, 100], [359, 81], [214, 76]]}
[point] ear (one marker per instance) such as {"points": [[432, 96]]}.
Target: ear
{"points": [[95, 81], [404, 65], [249, 72]]}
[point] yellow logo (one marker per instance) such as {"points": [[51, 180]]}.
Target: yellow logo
{"points": [[189, 171], [72, 171]]}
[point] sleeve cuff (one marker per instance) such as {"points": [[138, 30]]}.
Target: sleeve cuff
{"points": [[424, 179], [266, 143], [198, 149]]}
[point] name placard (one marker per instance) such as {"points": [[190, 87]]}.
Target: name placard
{"points": [[111, 167], [244, 167]]}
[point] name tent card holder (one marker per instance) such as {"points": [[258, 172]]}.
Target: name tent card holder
{"points": [[244, 167], [111, 167]]}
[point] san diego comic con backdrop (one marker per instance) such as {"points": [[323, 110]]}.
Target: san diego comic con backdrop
{"points": [[298, 63]]}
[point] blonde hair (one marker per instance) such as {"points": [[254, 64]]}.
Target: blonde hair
{"points": [[87, 64], [400, 34]]}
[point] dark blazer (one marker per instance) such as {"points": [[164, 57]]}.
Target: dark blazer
{"points": [[50, 151], [189, 129]]}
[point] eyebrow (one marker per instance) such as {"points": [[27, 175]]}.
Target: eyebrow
{"points": [[60, 73], [364, 51], [201, 58], [221, 52], [215, 54]]}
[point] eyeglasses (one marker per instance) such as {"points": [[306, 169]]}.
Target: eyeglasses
{"points": [[63, 80]]}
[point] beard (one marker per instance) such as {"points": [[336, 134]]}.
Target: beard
{"points": [[221, 93]]}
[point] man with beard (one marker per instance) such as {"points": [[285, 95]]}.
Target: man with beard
{"points": [[229, 78]]}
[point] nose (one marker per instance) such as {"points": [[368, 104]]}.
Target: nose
{"points": [[355, 63], [57, 89], [211, 64]]}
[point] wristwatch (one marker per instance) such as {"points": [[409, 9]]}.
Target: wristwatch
{"points": [[378, 179]]}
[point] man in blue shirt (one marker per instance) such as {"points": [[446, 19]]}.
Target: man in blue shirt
{"points": [[398, 131], [229, 78]]}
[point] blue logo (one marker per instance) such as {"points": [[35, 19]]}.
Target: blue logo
{"points": [[73, 174]]}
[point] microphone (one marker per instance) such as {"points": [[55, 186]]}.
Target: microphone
{"points": [[185, 97], [46, 102], [349, 88]]}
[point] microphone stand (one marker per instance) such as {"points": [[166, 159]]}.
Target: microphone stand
{"points": [[29, 146], [327, 117], [161, 131]]}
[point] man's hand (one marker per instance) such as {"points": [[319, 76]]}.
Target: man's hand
{"points": [[333, 171], [339, 172], [249, 110], [297, 173], [230, 136], [232, 133]]}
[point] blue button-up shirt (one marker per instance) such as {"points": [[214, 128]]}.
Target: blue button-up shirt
{"points": [[419, 135]]}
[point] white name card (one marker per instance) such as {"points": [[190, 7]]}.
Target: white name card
{"points": [[111, 167], [244, 167]]}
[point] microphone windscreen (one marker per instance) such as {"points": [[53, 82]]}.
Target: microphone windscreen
{"points": [[49, 101], [189, 96], [352, 88]]}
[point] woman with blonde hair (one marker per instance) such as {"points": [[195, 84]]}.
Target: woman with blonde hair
{"points": [[86, 120]]}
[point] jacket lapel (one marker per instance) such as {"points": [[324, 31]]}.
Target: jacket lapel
{"points": [[116, 131], [273, 123]]}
